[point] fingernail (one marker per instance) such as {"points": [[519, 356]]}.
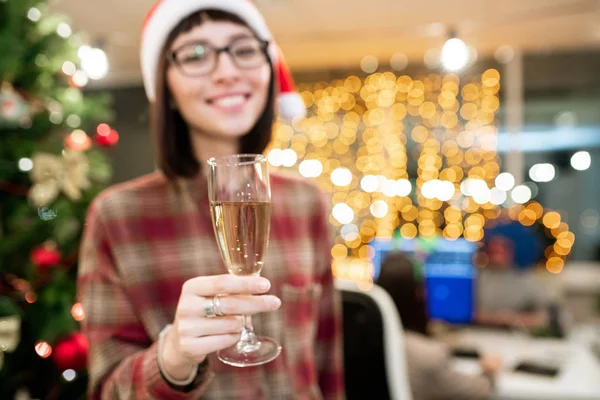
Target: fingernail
{"points": [[263, 284], [276, 303]]}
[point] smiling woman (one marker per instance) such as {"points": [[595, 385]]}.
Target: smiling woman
{"points": [[158, 306], [206, 97]]}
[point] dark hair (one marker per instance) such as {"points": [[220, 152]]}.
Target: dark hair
{"points": [[173, 145], [398, 278]]}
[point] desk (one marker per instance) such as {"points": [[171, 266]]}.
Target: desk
{"points": [[578, 379]]}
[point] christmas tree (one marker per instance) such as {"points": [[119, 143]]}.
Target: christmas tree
{"points": [[50, 170]]}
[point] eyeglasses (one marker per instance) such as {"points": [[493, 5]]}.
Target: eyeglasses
{"points": [[197, 59]]}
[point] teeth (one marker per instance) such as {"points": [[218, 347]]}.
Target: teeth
{"points": [[230, 101]]}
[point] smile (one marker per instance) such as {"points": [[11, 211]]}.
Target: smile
{"points": [[231, 102]]}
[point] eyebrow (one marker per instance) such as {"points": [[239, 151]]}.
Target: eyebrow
{"points": [[230, 40]]}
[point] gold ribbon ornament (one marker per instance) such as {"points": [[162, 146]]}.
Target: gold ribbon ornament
{"points": [[53, 174]]}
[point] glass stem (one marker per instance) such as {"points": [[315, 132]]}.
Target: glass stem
{"points": [[248, 341]]}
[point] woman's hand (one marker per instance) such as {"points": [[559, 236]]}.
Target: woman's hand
{"points": [[194, 335]]}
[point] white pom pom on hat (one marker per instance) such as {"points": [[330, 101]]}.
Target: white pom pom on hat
{"points": [[165, 15]]}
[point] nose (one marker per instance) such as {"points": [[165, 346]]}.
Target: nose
{"points": [[225, 70]]}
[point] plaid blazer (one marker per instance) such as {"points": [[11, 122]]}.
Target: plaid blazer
{"points": [[143, 239]]}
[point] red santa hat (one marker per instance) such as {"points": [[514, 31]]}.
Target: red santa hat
{"points": [[165, 15]]}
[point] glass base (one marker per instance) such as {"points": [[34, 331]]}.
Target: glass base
{"points": [[246, 355]]}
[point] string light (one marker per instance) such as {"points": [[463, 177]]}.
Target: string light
{"points": [[310, 168], [94, 62], [355, 144], [64, 30], [77, 312], [505, 181], [497, 196], [69, 68], [542, 172], [69, 375], [34, 14], [341, 177], [343, 213], [43, 349], [74, 121], [78, 140], [521, 194], [581, 160], [455, 54], [398, 61], [25, 164], [80, 78], [369, 64], [30, 297]]}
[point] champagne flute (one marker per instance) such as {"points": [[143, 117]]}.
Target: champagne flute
{"points": [[240, 204]]}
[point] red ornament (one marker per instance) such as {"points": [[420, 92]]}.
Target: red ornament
{"points": [[106, 138], [45, 256], [71, 353]]}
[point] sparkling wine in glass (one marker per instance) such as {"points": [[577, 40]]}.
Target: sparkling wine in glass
{"points": [[240, 204]]}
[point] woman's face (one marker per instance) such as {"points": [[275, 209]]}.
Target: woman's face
{"points": [[225, 101]]}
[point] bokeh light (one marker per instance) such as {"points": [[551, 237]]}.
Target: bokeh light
{"points": [[361, 135]]}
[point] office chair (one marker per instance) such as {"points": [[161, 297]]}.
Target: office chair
{"points": [[374, 357]]}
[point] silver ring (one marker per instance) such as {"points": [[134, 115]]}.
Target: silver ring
{"points": [[209, 308], [216, 306]]}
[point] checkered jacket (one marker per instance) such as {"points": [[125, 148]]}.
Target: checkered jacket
{"points": [[143, 239]]}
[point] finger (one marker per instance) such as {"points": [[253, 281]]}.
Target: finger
{"points": [[209, 286], [210, 326], [194, 306], [198, 347], [247, 305]]}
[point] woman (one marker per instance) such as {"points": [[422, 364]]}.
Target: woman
{"points": [[430, 374], [150, 265], [528, 303]]}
